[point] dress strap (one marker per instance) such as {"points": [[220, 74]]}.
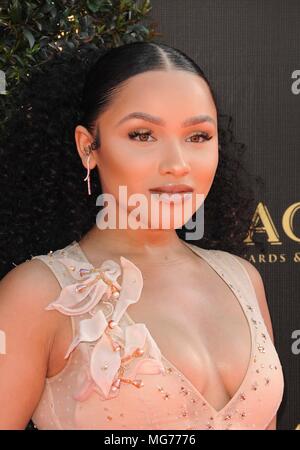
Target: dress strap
{"points": [[232, 271], [51, 259], [62, 275]]}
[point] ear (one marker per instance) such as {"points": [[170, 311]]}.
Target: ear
{"points": [[83, 139]]}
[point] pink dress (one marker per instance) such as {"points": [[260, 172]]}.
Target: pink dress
{"points": [[116, 377]]}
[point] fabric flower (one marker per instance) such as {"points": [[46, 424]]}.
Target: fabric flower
{"points": [[83, 297], [80, 298]]}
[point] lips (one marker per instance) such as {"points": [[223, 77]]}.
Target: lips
{"points": [[172, 189]]}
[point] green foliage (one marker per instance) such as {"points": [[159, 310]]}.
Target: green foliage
{"points": [[32, 31]]}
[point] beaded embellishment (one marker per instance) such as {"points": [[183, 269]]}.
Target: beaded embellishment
{"points": [[115, 348]]}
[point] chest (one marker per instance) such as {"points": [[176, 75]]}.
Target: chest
{"points": [[200, 327], [198, 324]]}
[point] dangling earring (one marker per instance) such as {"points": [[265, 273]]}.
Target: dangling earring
{"points": [[87, 178], [88, 151]]}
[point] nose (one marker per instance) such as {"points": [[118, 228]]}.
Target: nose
{"points": [[174, 163]]}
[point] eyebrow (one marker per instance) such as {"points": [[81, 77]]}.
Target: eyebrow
{"points": [[158, 121]]}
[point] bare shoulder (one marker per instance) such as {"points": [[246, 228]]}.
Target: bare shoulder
{"points": [[32, 277], [258, 284], [26, 290], [253, 272]]}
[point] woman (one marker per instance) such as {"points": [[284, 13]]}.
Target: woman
{"points": [[137, 328]]}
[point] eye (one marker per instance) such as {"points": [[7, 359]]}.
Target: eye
{"points": [[203, 135], [144, 133]]}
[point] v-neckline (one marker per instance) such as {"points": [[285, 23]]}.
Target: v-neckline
{"points": [[201, 253]]}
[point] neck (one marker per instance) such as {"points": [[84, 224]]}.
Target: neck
{"points": [[146, 247]]}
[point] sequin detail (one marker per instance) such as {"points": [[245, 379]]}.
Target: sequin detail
{"points": [[165, 400]]}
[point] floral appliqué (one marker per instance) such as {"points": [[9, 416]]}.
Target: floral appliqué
{"points": [[115, 347]]}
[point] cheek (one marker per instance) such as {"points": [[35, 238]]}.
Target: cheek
{"points": [[204, 170], [121, 164]]}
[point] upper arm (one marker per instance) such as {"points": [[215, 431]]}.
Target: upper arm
{"points": [[258, 285], [29, 331]]}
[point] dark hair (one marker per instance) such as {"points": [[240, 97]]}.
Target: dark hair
{"points": [[44, 198], [117, 65]]}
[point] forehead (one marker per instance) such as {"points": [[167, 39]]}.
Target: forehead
{"points": [[166, 94]]}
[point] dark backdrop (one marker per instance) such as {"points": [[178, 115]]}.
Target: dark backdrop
{"points": [[250, 51]]}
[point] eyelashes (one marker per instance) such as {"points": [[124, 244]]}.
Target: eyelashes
{"points": [[146, 133]]}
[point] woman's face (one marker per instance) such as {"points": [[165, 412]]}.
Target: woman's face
{"points": [[142, 155]]}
